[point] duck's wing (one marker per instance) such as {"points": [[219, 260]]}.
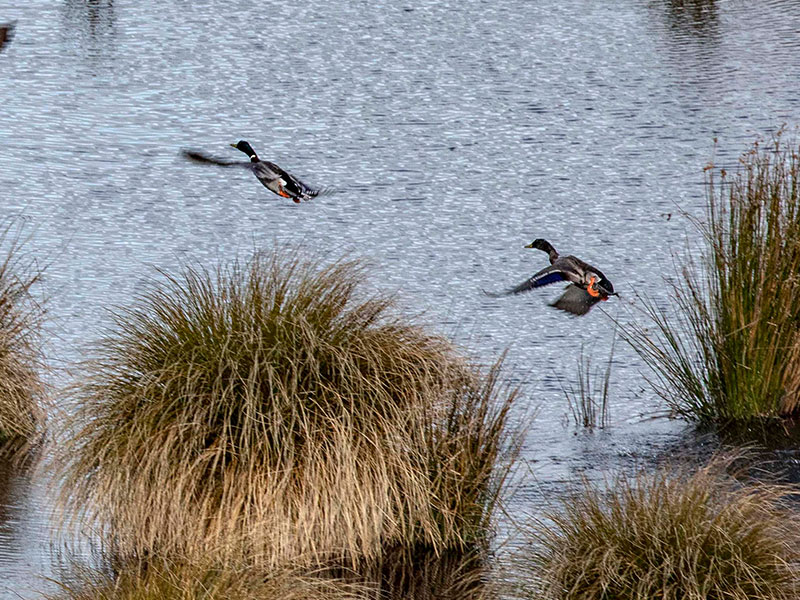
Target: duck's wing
{"points": [[575, 300], [546, 276], [291, 184], [203, 158]]}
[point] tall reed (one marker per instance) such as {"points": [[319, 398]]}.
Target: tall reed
{"points": [[21, 386], [589, 402], [729, 351], [270, 411], [667, 535]]}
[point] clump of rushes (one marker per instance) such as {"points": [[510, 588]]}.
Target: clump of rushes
{"points": [[589, 402], [21, 388], [730, 351], [271, 411], [668, 536]]}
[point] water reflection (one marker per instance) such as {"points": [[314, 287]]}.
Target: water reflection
{"points": [[448, 576], [16, 552], [6, 491], [698, 17], [91, 25], [767, 450], [424, 576]]}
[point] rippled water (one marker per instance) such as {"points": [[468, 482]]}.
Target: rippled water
{"points": [[454, 134]]}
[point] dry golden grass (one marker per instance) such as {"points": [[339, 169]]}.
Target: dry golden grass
{"points": [[729, 351], [270, 412], [21, 388], [669, 536]]}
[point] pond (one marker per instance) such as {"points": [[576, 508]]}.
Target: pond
{"points": [[452, 134]]}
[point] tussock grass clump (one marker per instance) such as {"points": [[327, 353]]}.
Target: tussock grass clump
{"points": [[730, 352], [270, 410], [21, 388], [671, 537]]}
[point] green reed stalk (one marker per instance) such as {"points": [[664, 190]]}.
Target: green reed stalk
{"points": [[589, 402]]}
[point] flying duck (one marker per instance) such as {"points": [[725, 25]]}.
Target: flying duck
{"points": [[587, 284], [269, 174], [6, 33]]}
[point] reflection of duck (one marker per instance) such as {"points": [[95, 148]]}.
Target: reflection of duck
{"points": [[269, 174], [588, 285], [6, 33]]}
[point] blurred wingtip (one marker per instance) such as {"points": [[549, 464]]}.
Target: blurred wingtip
{"points": [[198, 156], [6, 32]]}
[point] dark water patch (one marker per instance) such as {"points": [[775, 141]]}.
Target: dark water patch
{"points": [[767, 450], [771, 448]]}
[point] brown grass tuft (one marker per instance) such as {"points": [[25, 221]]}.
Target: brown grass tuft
{"points": [[271, 410], [21, 388], [669, 536]]}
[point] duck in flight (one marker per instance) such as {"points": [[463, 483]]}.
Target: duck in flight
{"points": [[6, 33], [587, 284], [269, 174]]}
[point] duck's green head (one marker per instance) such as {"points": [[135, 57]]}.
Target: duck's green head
{"points": [[244, 147], [540, 244]]}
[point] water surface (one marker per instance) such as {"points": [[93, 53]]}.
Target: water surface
{"points": [[454, 134]]}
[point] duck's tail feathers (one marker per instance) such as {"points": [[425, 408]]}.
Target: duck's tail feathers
{"points": [[310, 193], [306, 195], [326, 191]]}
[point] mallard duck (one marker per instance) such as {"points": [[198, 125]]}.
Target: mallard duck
{"points": [[588, 285], [269, 174], [6, 33]]}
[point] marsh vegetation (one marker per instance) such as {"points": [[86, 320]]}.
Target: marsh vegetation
{"points": [[587, 399], [728, 349], [671, 534], [21, 386], [273, 412]]}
